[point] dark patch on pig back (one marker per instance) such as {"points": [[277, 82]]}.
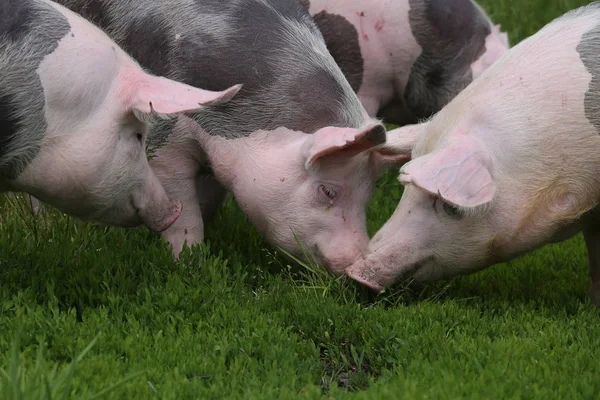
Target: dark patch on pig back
{"points": [[589, 52], [313, 94], [452, 36], [92, 10], [342, 40], [29, 31], [16, 19], [147, 43], [252, 55]]}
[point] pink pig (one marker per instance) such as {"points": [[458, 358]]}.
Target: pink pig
{"points": [[74, 111], [511, 164], [408, 58]]}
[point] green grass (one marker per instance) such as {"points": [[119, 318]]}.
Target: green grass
{"points": [[93, 312]]}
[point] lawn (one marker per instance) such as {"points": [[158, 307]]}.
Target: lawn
{"points": [[93, 311]]}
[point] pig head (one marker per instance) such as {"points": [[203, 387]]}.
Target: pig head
{"points": [[306, 189], [471, 201]]}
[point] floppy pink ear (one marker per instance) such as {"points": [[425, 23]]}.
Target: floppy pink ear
{"points": [[345, 142], [399, 144], [164, 96], [458, 174]]}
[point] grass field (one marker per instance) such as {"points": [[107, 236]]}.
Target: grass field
{"points": [[93, 311]]}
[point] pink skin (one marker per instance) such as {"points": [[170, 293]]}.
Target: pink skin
{"points": [[507, 167], [93, 161]]}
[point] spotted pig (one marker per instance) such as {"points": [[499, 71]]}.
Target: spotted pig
{"points": [[406, 59], [74, 110]]}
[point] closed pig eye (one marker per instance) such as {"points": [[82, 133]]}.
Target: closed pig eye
{"points": [[449, 210], [452, 211]]}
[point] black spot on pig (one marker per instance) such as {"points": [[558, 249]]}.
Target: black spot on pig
{"points": [[589, 51], [9, 121], [312, 93], [95, 11], [35, 29], [341, 38], [452, 36], [16, 19], [145, 42]]}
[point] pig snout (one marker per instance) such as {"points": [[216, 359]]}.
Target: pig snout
{"points": [[363, 274], [156, 210], [338, 257], [386, 262], [160, 218]]}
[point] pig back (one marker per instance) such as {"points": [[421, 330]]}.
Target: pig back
{"points": [[272, 47]]}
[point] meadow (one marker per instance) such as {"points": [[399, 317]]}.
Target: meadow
{"points": [[93, 312]]}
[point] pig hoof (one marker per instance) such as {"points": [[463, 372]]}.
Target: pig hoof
{"points": [[365, 282]]}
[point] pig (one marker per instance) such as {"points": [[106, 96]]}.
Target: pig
{"points": [[295, 146], [74, 111], [408, 59], [509, 165]]}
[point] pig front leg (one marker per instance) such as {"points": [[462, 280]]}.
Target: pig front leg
{"points": [[592, 241], [177, 171]]}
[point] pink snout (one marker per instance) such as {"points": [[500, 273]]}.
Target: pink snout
{"points": [[161, 220], [337, 258], [363, 275]]}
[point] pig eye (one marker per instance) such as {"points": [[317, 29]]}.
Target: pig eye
{"points": [[139, 137], [451, 211], [330, 193]]}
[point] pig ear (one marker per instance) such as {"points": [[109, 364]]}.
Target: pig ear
{"points": [[459, 175], [157, 95], [399, 144], [344, 142]]}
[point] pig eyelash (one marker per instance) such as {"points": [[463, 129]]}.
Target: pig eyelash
{"points": [[449, 210], [329, 193], [452, 211]]}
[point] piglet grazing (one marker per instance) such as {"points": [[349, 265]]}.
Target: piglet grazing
{"points": [[509, 165], [74, 110], [408, 58]]}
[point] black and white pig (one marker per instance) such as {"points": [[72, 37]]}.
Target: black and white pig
{"points": [[406, 59], [74, 109], [295, 146]]}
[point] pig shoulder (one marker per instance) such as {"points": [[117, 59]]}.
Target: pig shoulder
{"points": [[30, 30]]}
